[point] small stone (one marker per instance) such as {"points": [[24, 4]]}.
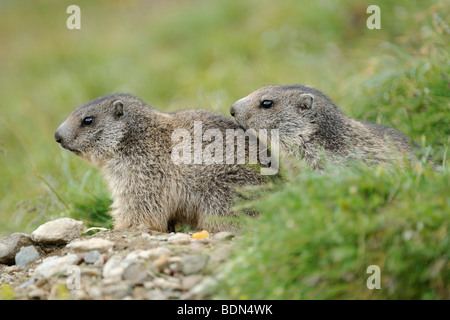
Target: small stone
{"points": [[55, 265], [179, 238], [201, 235], [91, 272], [112, 271], [161, 262], [97, 244], [167, 284], [221, 254], [26, 255], [149, 254], [201, 290], [92, 257], [156, 295], [188, 282], [95, 292], [224, 235], [146, 235], [117, 290], [59, 231], [27, 283], [10, 245], [37, 293], [135, 274], [194, 264]]}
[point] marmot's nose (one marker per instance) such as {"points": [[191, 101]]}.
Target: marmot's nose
{"points": [[58, 137], [232, 111]]}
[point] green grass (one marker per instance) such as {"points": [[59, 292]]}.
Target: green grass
{"points": [[316, 234]]}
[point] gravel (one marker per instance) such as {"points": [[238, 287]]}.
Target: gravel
{"points": [[111, 265]]}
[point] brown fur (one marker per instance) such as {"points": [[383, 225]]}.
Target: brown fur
{"points": [[312, 127], [131, 144]]}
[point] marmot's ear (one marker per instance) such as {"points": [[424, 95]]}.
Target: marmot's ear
{"points": [[118, 108], [306, 101]]}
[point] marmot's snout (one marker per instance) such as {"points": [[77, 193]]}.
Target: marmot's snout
{"points": [[232, 111], [58, 137]]}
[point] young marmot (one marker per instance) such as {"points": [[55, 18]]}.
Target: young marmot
{"points": [[312, 127], [132, 143]]}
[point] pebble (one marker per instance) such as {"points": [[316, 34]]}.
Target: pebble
{"points": [[118, 265], [149, 254], [167, 284], [10, 246], [26, 255], [179, 238], [117, 290], [112, 270], [93, 257], [135, 274], [98, 244], [37, 294], [55, 265], [224, 235], [188, 282], [59, 231], [194, 264], [200, 289]]}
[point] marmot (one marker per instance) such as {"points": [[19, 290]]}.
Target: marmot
{"points": [[132, 143], [312, 127]]}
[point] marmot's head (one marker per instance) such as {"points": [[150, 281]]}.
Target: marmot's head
{"points": [[275, 107], [94, 130], [298, 112]]}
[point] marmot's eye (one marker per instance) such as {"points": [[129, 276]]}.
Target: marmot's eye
{"points": [[266, 104], [87, 121]]}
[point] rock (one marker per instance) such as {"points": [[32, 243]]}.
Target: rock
{"points": [[224, 235], [123, 265], [194, 264], [135, 274], [98, 244], [201, 235], [92, 257], [55, 265], [201, 290], [117, 290], [179, 238], [37, 293], [167, 284], [10, 245], [27, 283], [188, 282], [92, 272], [113, 270], [152, 254], [221, 254], [161, 262], [59, 231], [26, 255], [156, 295]]}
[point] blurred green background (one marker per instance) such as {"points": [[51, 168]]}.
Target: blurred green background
{"points": [[207, 54]]}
